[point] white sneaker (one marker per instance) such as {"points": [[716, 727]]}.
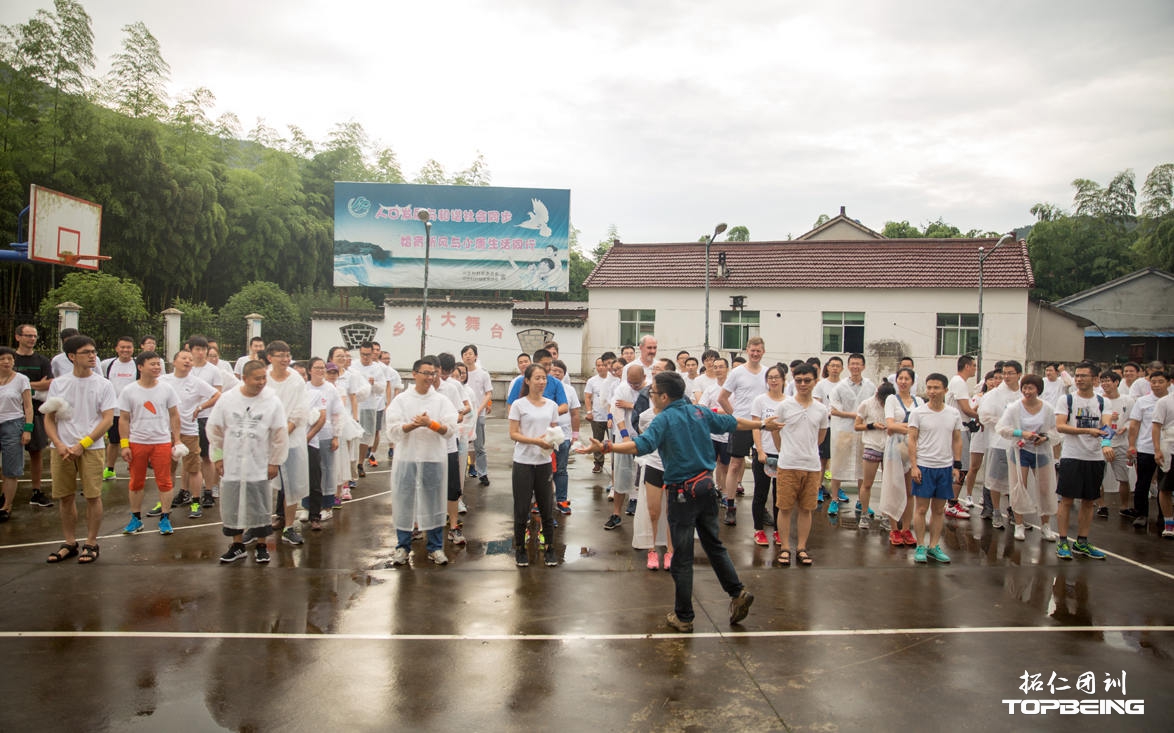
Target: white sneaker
{"points": [[1020, 532], [302, 515], [1049, 534], [957, 511], [997, 520], [438, 557], [967, 502], [461, 508], [399, 556], [327, 514]]}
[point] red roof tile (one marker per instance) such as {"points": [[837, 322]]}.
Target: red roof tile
{"points": [[889, 263]]}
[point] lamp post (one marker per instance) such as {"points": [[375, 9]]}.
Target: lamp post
{"points": [[422, 215], [982, 255], [716, 231]]}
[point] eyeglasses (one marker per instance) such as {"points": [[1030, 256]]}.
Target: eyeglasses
{"points": [[86, 351], [655, 392], [430, 375], [803, 380]]}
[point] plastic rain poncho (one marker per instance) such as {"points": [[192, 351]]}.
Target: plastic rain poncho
{"points": [[1036, 495], [248, 434], [847, 445], [895, 465], [419, 474], [294, 476]]}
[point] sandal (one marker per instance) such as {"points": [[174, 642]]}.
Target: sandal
{"points": [[804, 557], [89, 554], [785, 558], [63, 553]]}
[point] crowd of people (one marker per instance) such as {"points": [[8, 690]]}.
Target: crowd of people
{"points": [[278, 444]]}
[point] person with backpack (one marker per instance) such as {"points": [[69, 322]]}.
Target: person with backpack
{"points": [[1088, 446]]}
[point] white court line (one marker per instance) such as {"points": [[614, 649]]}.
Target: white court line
{"points": [[211, 635], [1141, 565], [155, 531]]}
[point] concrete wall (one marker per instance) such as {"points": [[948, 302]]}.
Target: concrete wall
{"points": [[1141, 304], [1051, 337], [896, 321]]}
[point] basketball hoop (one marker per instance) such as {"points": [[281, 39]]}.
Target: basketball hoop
{"points": [[68, 258]]}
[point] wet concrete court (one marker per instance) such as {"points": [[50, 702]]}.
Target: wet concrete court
{"points": [[157, 635]]}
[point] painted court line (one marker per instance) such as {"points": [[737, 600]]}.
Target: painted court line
{"points": [[817, 633]]}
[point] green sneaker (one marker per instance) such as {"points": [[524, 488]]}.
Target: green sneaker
{"points": [[108, 474], [1086, 549], [919, 554], [936, 553], [1063, 551]]}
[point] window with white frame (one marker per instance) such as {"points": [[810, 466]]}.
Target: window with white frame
{"points": [[957, 334], [738, 326], [843, 332], [635, 323]]}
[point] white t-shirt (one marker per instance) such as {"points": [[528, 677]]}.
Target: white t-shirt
{"points": [[392, 377], [600, 390], [1143, 413], [12, 398], [1140, 388], [1052, 390], [1086, 413], [935, 434], [120, 373], [990, 409], [89, 397], [822, 390], [533, 422], [149, 411], [1122, 405], [480, 383], [211, 374], [872, 412], [622, 415], [192, 392], [799, 436], [564, 420], [61, 365], [702, 383], [898, 410], [958, 391], [709, 401], [765, 407], [455, 392], [743, 386], [325, 399], [374, 376]]}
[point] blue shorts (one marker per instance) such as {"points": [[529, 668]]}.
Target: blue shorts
{"points": [[12, 449], [1028, 459], [936, 483]]}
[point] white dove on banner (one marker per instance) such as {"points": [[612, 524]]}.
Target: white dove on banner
{"points": [[539, 217]]}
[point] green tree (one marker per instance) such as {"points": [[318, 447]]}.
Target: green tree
{"points": [[1155, 242], [139, 74], [477, 174], [111, 307], [281, 318], [198, 318], [1074, 253], [941, 230], [308, 301], [1158, 191], [901, 230], [1117, 200], [613, 236], [432, 172], [738, 234], [823, 219]]}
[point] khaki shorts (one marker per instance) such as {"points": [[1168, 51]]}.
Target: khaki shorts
{"points": [[191, 462], [798, 487], [88, 468]]}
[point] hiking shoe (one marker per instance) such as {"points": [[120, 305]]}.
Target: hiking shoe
{"points": [[1049, 534], [550, 557], [613, 521], [135, 526], [631, 510], [155, 511], [1020, 532], [997, 520], [740, 606], [684, 627], [207, 500], [196, 511], [456, 537], [564, 507], [108, 474], [1086, 549], [653, 560], [833, 508], [261, 554], [907, 537], [165, 525], [957, 511], [841, 496], [39, 499], [1064, 551], [938, 555], [919, 554], [183, 497], [521, 559], [438, 557], [895, 538], [292, 536], [1103, 512], [865, 522], [399, 556], [760, 538], [236, 551]]}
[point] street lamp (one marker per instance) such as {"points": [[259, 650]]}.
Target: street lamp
{"points": [[982, 255], [422, 215], [716, 231]]}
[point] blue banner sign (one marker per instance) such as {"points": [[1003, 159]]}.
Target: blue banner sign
{"points": [[482, 238]]}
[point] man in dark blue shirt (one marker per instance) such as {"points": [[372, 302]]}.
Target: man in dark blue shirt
{"points": [[681, 433]]}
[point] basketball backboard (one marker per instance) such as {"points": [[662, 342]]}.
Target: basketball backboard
{"points": [[63, 229]]}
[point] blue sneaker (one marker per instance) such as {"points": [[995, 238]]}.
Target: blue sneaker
{"points": [[165, 525], [936, 553], [823, 495], [1086, 549], [833, 508], [919, 554], [135, 526], [1063, 551], [842, 496]]}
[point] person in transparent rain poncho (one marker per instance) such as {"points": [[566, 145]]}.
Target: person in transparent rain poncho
{"points": [[248, 435], [418, 422], [1029, 425]]}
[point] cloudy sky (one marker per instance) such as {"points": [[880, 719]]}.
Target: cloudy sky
{"points": [[664, 118]]}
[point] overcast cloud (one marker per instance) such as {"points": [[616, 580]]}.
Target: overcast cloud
{"points": [[664, 118]]}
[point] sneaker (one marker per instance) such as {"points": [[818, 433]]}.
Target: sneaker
{"points": [[247, 537], [919, 554], [1020, 532], [165, 525], [1129, 513], [550, 557], [360, 471], [351, 484], [833, 508], [196, 511], [207, 500], [597, 469], [292, 536], [155, 511], [438, 557], [865, 522], [985, 515], [683, 627], [302, 515], [668, 561], [967, 502], [1063, 551], [740, 491], [484, 480], [957, 511], [760, 538], [613, 521], [135, 526], [653, 560], [337, 501], [1050, 535], [521, 558], [541, 537], [183, 497], [564, 507], [823, 495], [372, 462], [936, 554], [740, 606], [895, 538], [907, 537], [461, 507], [631, 510], [39, 499], [108, 474], [456, 537], [534, 508], [346, 495], [1139, 523], [326, 515], [1086, 549], [997, 520], [1168, 531], [236, 551], [774, 537], [471, 473], [261, 554], [1103, 512], [885, 524], [859, 506], [841, 496], [399, 556], [731, 519]]}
